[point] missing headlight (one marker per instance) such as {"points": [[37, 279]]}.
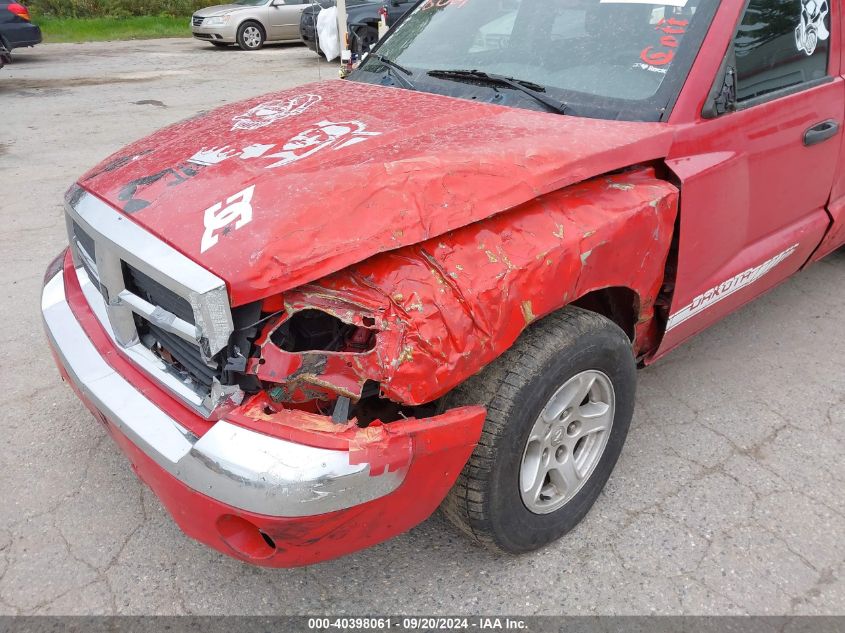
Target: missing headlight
{"points": [[313, 331]]}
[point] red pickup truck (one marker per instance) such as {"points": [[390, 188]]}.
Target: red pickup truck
{"points": [[312, 318]]}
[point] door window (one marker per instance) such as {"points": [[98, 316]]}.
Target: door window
{"points": [[781, 44]]}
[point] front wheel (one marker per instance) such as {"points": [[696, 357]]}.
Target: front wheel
{"points": [[250, 36], [559, 404]]}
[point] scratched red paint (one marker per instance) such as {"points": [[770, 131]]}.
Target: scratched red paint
{"points": [[450, 305], [440, 449], [434, 173]]}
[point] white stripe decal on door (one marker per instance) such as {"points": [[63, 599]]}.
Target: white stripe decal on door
{"points": [[727, 288]]}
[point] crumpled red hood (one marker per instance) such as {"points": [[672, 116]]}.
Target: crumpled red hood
{"points": [[288, 187]]}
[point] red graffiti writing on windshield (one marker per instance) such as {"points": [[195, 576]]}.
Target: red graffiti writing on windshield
{"points": [[663, 54], [440, 4]]}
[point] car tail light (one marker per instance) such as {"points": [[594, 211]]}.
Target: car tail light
{"points": [[20, 11]]}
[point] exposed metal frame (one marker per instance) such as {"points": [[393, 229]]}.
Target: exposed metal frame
{"points": [[242, 468]]}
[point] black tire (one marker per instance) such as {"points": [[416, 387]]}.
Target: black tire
{"points": [[220, 44], [365, 36], [486, 502], [251, 36]]}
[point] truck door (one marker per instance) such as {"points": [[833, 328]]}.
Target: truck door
{"points": [[756, 180], [835, 237]]}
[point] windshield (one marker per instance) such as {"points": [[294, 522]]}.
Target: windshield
{"points": [[607, 58]]}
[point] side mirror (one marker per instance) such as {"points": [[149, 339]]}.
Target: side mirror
{"points": [[722, 97], [277, 3]]}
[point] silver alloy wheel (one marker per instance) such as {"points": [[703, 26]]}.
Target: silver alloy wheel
{"points": [[252, 37], [567, 442]]}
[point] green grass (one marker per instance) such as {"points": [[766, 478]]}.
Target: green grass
{"points": [[100, 29]]}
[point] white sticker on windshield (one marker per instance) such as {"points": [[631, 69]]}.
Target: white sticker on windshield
{"points": [[665, 3]]}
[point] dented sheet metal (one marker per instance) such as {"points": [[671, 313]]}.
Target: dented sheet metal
{"points": [[445, 308], [438, 448], [284, 189], [385, 447]]}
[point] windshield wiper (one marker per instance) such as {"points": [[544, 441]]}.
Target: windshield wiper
{"points": [[393, 66], [528, 87]]}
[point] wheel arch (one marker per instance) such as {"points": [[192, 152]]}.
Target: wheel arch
{"points": [[619, 304], [251, 21]]}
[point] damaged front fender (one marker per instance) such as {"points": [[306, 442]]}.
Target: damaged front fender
{"points": [[441, 310]]}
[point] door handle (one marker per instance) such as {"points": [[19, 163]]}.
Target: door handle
{"points": [[821, 132]]}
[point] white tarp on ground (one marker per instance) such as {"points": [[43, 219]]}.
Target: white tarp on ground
{"points": [[327, 36]]}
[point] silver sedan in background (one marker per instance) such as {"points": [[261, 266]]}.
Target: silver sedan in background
{"points": [[249, 23]]}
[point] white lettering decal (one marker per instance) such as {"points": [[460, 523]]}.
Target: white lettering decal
{"points": [[238, 209], [727, 288], [650, 68]]}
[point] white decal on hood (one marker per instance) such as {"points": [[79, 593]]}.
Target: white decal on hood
{"points": [[812, 30], [269, 112], [238, 209], [255, 151], [212, 156], [139, 193], [324, 135], [727, 288]]}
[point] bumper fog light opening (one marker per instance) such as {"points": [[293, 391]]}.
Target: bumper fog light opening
{"points": [[245, 538]]}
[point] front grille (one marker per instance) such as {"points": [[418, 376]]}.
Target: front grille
{"points": [[88, 255], [197, 21], [184, 357], [153, 292], [156, 304], [85, 241]]}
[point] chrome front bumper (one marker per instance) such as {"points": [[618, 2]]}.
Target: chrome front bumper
{"points": [[244, 469]]}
